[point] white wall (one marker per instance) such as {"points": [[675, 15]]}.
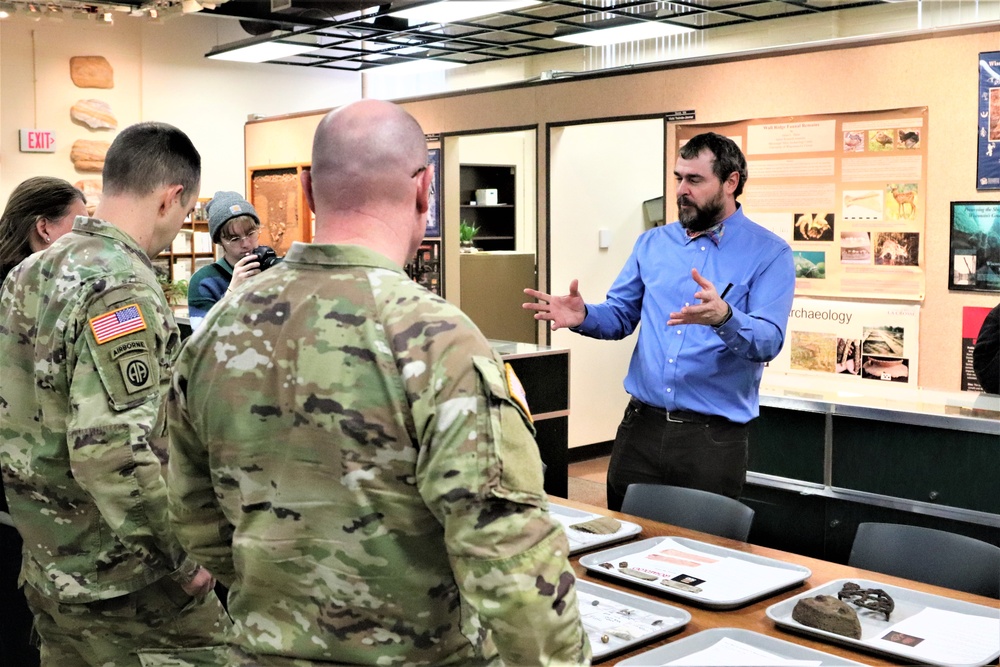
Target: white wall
{"points": [[160, 74], [600, 174]]}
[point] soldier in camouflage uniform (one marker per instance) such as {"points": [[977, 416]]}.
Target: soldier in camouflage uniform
{"points": [[87, 342], [347, 453]]}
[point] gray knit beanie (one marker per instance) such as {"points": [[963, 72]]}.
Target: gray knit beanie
{"points": [[225, 206]]}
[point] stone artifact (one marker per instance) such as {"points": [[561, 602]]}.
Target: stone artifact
{"points": [[92, 188], [825, 612], [604, 525], [95, 114], [89, 155], [91, 72], [874, 599]]}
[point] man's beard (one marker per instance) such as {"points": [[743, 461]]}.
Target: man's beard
{"points": [[695, 218]]}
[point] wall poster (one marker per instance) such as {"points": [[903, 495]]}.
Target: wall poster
{"points": [[988, 172], [974, 260], [434, 213], [972, 321], [863, 342], [847, 191]]}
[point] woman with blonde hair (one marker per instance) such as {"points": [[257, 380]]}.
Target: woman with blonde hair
{"points": [[39, 211]]}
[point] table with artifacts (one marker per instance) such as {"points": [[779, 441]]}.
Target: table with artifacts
{"points": [[664, 595]]}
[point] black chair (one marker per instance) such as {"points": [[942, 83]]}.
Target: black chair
{"points": [[690, 508], [930, 556]]}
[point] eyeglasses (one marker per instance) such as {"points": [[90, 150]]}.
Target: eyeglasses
{"points": [[233, 240], [418, 171]]}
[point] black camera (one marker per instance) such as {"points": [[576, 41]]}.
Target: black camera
{"points": [[266, 256]]}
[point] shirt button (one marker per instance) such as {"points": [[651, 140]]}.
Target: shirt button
{"points": [[669, 390], [703, 248], [670, 361], [686, 303], [678, 332]]}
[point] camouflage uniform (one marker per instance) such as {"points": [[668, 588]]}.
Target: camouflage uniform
{"points": [[87, 342], [346, 456]]}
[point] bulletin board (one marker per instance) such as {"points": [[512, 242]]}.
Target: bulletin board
{"points": [[848, 193]]}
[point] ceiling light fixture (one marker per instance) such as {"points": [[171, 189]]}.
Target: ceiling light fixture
{"points": [[459, 10], [261, 52], [626, 33]]}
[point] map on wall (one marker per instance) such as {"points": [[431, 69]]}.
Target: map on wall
{"points": [[847, 191]]}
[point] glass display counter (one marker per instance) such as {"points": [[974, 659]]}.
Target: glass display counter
{"points": [[825, 459]]}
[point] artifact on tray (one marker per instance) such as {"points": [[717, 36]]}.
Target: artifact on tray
{"points": [[603, 525], [96, 114], [825, 612], [874, 599], [91, 72], [89, 155]]}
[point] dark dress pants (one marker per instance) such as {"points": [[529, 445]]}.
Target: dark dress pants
{"points": [[704, 452]]}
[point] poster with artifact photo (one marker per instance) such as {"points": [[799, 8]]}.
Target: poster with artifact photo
{"points": [[846, 191], [860, 342], [988, 172]]}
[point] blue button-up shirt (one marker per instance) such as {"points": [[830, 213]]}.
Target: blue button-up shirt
{"points": [[710, 370]]}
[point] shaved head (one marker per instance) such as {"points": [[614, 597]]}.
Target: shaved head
{"points": [[365, 154]]}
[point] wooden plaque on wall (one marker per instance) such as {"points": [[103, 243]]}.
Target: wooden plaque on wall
{"points": [[276, 193]]}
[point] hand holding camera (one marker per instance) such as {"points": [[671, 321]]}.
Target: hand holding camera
{"points": [[259, 259]]}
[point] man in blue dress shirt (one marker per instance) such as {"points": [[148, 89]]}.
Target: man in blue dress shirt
{"points": [[713, 293]]}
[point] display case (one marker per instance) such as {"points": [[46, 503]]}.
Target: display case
{"points": [[276, 192], [826, 460]]}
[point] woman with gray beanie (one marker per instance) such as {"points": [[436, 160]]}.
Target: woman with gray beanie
{"points": [[233, 224]]}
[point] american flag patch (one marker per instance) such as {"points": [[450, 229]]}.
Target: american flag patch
{"points": [[117, 323]]}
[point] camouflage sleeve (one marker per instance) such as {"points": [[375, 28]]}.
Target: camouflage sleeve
{"points": [[195, 513], [116, 421], [480, 473]]}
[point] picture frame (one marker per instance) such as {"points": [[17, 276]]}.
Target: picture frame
{"points": [[974, 249], [433, 229], [988, 158]]}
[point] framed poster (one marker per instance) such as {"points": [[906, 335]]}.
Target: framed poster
{"points": [[434, 214], [974, 261], [988, 167]]}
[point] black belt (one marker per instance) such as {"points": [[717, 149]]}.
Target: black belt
{"points": [[678, 416]]}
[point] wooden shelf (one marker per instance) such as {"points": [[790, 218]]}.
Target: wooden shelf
{"points": [[497, 222]]}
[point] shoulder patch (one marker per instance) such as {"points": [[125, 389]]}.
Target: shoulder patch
{"points": [[516, 390], [117, 323]]}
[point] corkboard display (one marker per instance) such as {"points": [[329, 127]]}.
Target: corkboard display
{"points": [[277, 196]]}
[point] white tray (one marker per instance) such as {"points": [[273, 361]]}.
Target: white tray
{"points": [[706, 638], [790, 575], [581, 541], [874, 627], [669, 619]]}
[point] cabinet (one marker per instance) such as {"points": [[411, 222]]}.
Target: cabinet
{"points": [[497, 222], [190, 250], [276, 192]]}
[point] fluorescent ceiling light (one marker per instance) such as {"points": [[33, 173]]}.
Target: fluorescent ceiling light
{"points": [[459, 10], [626, 33], [415, 66], [265, 51]]}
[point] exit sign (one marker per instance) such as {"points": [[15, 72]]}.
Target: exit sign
{"points": [[38, 141]]}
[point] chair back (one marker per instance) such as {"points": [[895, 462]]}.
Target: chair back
{"points": [[930, 556], [690, 508]]}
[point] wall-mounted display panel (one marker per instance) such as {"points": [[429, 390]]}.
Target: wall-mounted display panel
{"points": [[988, 172]]}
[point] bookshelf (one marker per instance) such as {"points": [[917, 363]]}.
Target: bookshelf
{"points": [[191, 249], [497, 222]]}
